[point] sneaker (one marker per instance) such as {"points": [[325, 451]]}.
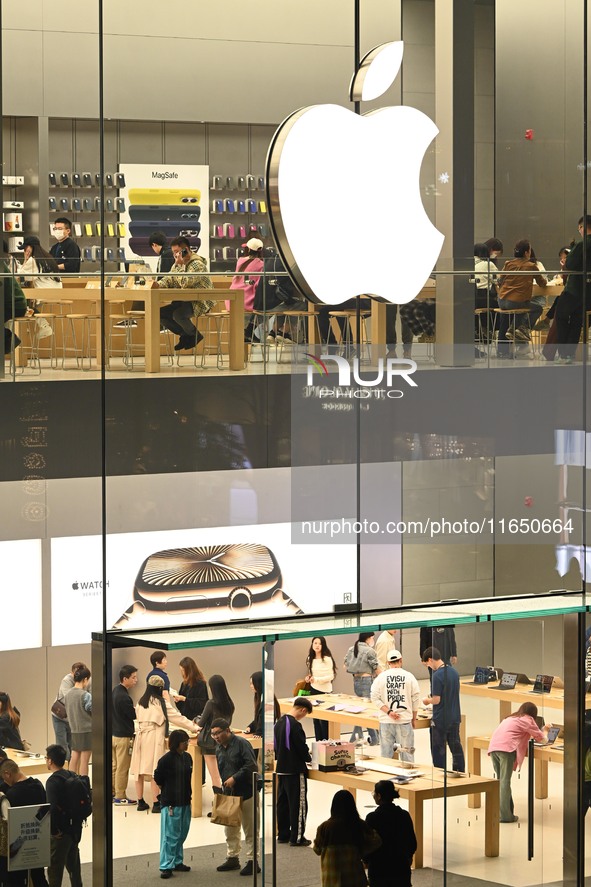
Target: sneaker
{"points": [[522, 334], [248, 868], [124, 323], [272, 338], [303, 842], [231, 863], [156, 807], [166, 873], [44, 329], [124, 802], [543, 324], [510, 334], [181, 867], [142, 806], [284, 337]]}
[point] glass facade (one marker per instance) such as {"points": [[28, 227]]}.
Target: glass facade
{"points": [[235, 471]]}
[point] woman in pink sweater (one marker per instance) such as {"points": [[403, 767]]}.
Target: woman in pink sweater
{"points": [[507, 749]]}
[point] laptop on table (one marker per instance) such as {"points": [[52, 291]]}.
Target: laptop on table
{"points": [[481, 675], [542, 683], [507, 682]]}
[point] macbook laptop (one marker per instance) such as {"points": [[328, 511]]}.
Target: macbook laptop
{"points": [[551, 736], [481, 675], [542, 683], [508, 681]]}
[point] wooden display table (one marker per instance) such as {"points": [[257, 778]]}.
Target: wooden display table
{"points": [[31, 765], [522, 693], [434, 784], [543, 755]]}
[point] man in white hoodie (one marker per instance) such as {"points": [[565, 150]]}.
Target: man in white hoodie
{"points": [[396, 694]]}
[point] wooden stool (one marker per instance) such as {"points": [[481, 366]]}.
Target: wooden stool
{"points": [[348, 336], [297, 322], [138, 316], [513, 313], [214, 326], [85, 349], [27, 353]]}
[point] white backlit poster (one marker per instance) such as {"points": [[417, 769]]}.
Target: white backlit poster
{"points": [[28, 837], [20, 568], [181, 577]]}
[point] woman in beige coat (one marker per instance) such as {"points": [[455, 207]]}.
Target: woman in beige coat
{"points": [[148, 747]]}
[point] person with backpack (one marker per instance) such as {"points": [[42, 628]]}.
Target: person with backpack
{"points": [[70, 805]]}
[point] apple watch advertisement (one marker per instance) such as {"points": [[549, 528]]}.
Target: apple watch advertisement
{"points": [[181, 577]]}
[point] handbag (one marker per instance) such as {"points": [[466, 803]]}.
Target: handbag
{"points": [[59, 710], [26, 744], [227, 810], [204, 738], [301, 685]]}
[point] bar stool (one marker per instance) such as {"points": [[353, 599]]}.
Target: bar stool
{"points": [[125, 351], [84, 350], [214, 326], [27, 353], [138, 316], [514, 314], [484, 329], [47, 341], [259, 318], [347, 336], [297, 323]]}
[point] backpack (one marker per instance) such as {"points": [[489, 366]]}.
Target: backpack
{"points": [[78, 795]]}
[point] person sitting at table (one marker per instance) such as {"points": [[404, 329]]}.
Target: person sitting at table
{"points": [[495, 248], [485, 280], [186, 273], [515, 293], [389, 865], [246, 278], [15, 304], [558, 280], [342, 841], [507, 749]]}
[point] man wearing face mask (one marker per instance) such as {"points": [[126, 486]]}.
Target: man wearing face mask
{"points": [[186, 273], [65, 252]]}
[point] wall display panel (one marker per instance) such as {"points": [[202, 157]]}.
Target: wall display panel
{"points": [[170, 198], [181, 577], [20, 566]]}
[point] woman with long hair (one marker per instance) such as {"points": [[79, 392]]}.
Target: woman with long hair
{"points": [[219, 705], [192, 694], [515, 293], [342, 842], [10, 719], [39, 262], [149, 745], [78, 702], [322, 670], [507, 749], [256, 725], [361, 661]]}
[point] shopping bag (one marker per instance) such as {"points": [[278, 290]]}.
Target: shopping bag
{"points": [[227, 810]]}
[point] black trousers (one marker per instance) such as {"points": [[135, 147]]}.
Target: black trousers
{"points": [[569, 322], [292, 807], [320, 727]]}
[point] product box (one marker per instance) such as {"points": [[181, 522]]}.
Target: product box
{"points": [[329, 755]]}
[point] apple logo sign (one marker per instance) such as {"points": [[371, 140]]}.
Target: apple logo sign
{"points": [[344, 195], [75, 586]]}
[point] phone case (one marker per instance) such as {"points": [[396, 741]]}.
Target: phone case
{"points": [[121, 230], [242, 231], [262, 206], [87, 204], [98, 229], [241, 182], [229, 252], [76, 179], [229, 231], [110, 254], [87, 253], [184, 214], [64, 204], [178, 196], [121, 254], [64, 179], [96, 252], [77, 229], [145, 227], [120, 180], [229, 183], [110, 230], [253, 230], [86, 179], [97, 204], [218, 206], [261, 183], [88, 230], [218, 253], [263, 230], [216, 184], [241, 252], [108, 180], [76, 204], [241, 206], [52, 179], [230, 206], [97, 179], [52, 203], [120, 205], [250, 183], [109, 205], [252, 206]]}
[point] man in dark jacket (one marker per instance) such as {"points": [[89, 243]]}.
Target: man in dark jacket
{"points": [[292, 755], [23, 791], [159, 245], [66, 251], [65, 835], [173, 777], [236, 763], [571, 302], [123, 732]]}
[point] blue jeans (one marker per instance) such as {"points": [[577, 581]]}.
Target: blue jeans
{"points": [[507, 305], [403, 734], [362, 687], [63, 735], [174, 828], [451, 736]]}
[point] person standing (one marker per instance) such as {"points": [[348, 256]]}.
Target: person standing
{"points": [[173, 777], [23, 791], [292, 755], [446, 718], [159, 662], [385, 642], [65, 252], [569, 308], [236, 764], [342, 842], [148, 747], [322, 670], [159, 245], [123, 733], [443, 637], [361, 661], [65, 832], [192, 694], [61, 726], [390, 864], [78, 702], [507, 749], [397, 695]]}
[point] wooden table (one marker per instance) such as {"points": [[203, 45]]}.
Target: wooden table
{"points": [[432, 785], [522, 693], [31, 766], [152, 298], [543, 755]]}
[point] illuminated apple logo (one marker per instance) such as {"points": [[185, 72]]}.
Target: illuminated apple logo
{"points": [[344, 196]]}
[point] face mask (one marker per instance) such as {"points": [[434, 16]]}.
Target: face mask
{"points": [[59, 234]]}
